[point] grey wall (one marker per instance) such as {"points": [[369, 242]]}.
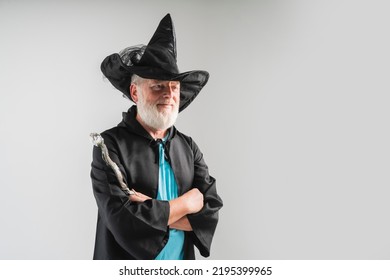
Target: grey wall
{"points": [[294, 122]]}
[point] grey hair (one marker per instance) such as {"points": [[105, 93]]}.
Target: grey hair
{"points": [[137, 80]]}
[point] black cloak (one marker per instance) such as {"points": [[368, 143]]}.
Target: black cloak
{"points": [[130, 230]]}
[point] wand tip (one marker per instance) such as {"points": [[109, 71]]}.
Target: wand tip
{"points": [[96, 139]]}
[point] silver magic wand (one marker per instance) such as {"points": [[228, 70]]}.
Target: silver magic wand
{"points": [[98, 141]]}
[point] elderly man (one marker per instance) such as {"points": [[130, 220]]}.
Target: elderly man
{"points": [[175, 203]]}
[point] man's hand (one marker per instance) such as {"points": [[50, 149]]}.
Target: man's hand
{"points": [[193, 200], [138, 197], [189, 203]]}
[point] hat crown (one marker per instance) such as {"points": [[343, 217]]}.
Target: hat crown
{"points": [[164, 37], [161, 49]]}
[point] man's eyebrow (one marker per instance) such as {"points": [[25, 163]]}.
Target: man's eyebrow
{"points": [[161, 81]]}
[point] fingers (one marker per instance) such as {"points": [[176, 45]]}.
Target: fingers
{"points": [[138, 197]]}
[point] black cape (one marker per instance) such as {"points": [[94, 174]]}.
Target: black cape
{"points": [[129, 230]]}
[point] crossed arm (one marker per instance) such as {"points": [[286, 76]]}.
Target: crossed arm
{"points": [[189, 203]]}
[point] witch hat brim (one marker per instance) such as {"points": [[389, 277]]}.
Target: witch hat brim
{"points": [[157, 61]]}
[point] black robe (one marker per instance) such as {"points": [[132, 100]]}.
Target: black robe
{"points": [[130, 230]]}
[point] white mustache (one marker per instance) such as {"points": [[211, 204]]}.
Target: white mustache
{"points": [[165, 103]]}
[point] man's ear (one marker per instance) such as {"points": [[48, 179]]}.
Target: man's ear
{"points": [[134, 93]]}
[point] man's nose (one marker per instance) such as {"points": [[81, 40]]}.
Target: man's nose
{"points": [[169, 90]]}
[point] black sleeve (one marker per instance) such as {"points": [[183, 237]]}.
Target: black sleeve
{"points": [[139, 228], [205, 221]]}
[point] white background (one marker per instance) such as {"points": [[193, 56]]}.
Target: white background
{"points": [[294, 122]]}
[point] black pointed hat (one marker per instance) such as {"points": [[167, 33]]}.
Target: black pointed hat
{"points": [[157, 61]]}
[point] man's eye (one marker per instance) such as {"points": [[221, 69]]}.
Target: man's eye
{"points": [[157, 87]]}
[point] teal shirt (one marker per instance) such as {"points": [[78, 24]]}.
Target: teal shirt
{"points": [[167, 190]]}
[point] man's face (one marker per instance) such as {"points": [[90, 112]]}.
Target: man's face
{"points": [[158, 102]]}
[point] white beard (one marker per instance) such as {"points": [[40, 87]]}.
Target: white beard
{"points": [[154, 118]]}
